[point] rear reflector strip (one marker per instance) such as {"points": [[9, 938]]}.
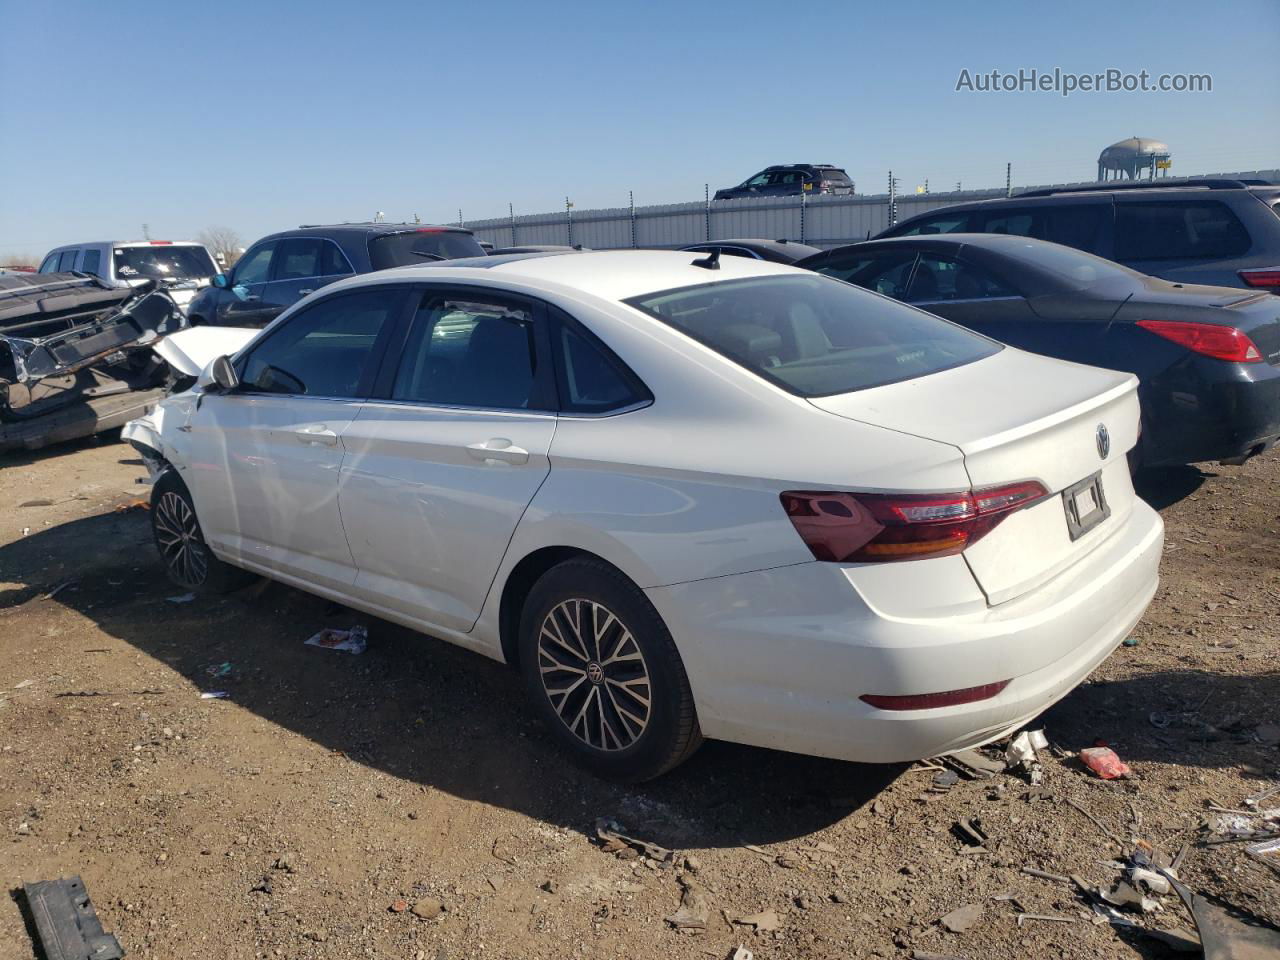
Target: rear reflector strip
{"points": [[927, 701]]}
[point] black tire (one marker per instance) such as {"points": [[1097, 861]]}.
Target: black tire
{"points": [[627, 651], [187, 559]]}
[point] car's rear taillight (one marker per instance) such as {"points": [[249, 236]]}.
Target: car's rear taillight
{"points": [[878, 527], [1208, 339], [161, 243], [1266, 277]]}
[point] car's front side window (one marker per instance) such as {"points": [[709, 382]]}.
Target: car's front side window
{"points": [[67, 261], [50, 264], [255, 266], [470, 352], [324, 350], [940, 278]]}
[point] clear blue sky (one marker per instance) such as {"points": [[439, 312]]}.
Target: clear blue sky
{"points": [[263, 115]]}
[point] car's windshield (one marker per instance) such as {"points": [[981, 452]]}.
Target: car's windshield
{"points": [[163, 262], [815, 336], [1080, 270], [421, 246]]}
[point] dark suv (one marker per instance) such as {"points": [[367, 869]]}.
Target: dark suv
{"points": [[1215, 231], [279, 270], [790, 179]]}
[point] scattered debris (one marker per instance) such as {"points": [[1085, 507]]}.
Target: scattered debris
{"points": [[944, 780], [353, 641], [181, 598], [58, 589], [1044, 916], [765, 921], [1143, 881], [1266, 852], [969, 830], [694, 907], [1224, 936], [214, 695], [1045, 875], [399, 906], [977, 764], [613, 840], [23, 685], [788, 861], [67, 923], [926, 955], [962, 918], [1106, 831], [1022, 756], [1105, 763], [742, 953], [1268, 733], [219, 670]]}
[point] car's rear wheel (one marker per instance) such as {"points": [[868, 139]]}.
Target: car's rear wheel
{"points": [[187, 558], [603, 672]]}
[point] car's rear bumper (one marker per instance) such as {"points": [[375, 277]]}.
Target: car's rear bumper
{"points": [[1211, 411], [779, 658]]}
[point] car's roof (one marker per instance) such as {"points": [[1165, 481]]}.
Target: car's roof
{"points": [[609, 274], [128, 243], [789, 247], [371, 229]]}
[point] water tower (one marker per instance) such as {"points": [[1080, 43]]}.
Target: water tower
{"points": [[1134, 158]]}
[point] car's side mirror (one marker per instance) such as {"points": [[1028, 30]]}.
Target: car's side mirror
{"points": [[221, 281], [219, 375]]}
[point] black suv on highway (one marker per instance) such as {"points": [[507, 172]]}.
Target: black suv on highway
{"points": [[1215, 231], [279, 270], [789, 180]]}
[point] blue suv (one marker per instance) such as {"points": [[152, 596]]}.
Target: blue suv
{"points": [[279, 270]]}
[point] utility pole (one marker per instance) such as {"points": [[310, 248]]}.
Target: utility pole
{"points": [[511, 211], [893, 199], [706, 208], [146, 231], [568, 218], [1008, 179], [631, 199], [460, 223]]}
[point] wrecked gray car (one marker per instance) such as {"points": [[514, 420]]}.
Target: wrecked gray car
{"points": [[76, 357]]}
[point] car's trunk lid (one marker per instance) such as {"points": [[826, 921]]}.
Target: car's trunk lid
{"points": [[1017, 416]]}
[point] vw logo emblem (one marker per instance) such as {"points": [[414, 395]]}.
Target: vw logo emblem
{"points": [[595, 672], [1104, 441]]}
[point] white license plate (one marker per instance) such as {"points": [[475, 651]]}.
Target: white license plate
{"points": [[1085, 505]]}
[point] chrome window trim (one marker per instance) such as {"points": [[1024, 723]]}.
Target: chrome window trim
{"points": [[916, 303]]}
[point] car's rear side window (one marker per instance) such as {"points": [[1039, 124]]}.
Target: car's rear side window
{"points": [[1178, 230], [591, 377], [815, 336], [1073, 225], [92, 262]]}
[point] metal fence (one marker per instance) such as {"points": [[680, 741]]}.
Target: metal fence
{"points": [[823, 221]]}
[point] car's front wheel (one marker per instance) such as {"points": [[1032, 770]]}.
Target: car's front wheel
{"points": [[601, 668], [187, 558]]}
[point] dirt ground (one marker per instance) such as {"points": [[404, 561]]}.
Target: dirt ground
{"points": [[289, 819]]}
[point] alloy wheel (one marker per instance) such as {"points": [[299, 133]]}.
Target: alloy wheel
{"points": [[178, 535], [594, 674]]}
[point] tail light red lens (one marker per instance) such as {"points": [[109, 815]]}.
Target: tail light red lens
{"points": [[1207, 339], [1266, 277], [927, 701], [877, 527]]}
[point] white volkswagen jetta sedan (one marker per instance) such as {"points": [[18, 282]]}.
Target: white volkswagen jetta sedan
{"points": [[687, 497]]}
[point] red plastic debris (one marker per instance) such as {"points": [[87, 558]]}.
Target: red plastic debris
{"points": [[1104, 762]]}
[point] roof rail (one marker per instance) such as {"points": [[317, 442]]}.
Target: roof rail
{"points": [[1104, 186]]}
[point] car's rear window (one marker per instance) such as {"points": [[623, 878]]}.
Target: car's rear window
{"points": [[815, 336], [421, 246], [1178, 230], [163, 262], [838, 176], [1081, 270]]}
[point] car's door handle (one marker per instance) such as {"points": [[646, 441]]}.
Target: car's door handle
{"points": [[252, 298], [498, 449], [316, 434], [303, 293]]}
